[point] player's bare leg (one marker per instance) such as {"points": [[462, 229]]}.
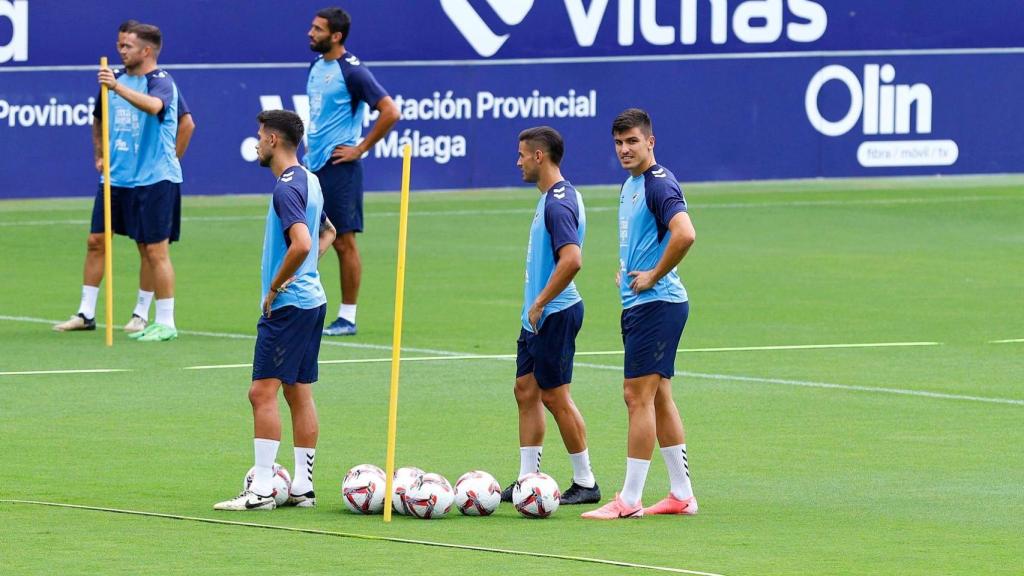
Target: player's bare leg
{"points": [[92, 275], [672, 438], [532, 427], [305, 433], [584, 489], [266, 439], [140, 315], [639, 394], [350, 269], [159, 261]]}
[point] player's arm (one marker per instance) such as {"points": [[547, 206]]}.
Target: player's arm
{"points": [[145, 102], [327, 235], [97, 144], [681, 238], [570, 260], [301, 244], [186, 126]]}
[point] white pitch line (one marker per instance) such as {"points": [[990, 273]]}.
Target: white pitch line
{"points": [[509, 211], [369, 537], [83, 371], [854, 388], [1010, 341], [780, 347]]}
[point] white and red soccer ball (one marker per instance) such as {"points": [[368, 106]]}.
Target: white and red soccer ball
{"points": [[431, 497], [281, 482], [363, 489], [477, 493], [536, 495], [404, 479]]}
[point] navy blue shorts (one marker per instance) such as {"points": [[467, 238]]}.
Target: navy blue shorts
{"points": [[288, 344], [342, 185], [121, 219], [650, 333], [549, 353], [157, 212]]}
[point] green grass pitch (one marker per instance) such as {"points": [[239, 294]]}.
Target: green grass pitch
{"points": [[875, 460]]}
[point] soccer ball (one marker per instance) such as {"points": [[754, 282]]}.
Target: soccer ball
{"points": [[536, 495], [363, 488], [431, 497], [404, 479], [477, 493], [281, 482]]}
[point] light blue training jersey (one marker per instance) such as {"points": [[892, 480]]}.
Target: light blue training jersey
{"points": [[646, 205], [339, 93], [560, 220], [297, 198]]}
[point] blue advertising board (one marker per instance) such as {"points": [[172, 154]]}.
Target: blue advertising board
{"points": [[738, 89]]}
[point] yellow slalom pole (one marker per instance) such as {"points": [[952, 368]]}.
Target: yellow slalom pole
{"points": [[108, 263], [396, 344]]}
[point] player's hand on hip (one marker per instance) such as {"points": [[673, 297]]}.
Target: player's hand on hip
{"points": [[533, 316], [618, 279], [268, 301], [106, 78], [342, 154], [99, 165], [642, 280]]}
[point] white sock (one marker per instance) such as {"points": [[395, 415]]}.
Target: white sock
{"points": [[88, 306], [529, 459], [348, 312], [678, 471], [581, 472], [266, 452], [636, 476], [302, 480], [165, 312], [142, 304]]}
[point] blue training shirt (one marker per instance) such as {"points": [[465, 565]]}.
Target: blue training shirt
{"points": [[339, 92], [142, 146], [560, 220], [297, 198], [646, 205]]}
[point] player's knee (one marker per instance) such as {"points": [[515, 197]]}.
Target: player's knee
{"points": [[259, 396], [555, 400], [156, 252], [635, 398], [345, 242], [94, 243], [525, 391]]}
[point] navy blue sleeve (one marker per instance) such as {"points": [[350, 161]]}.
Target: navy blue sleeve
{"points": [[664, 199], [161, 86], [362, 85], [182, 105], [562, 221], [290, 206]]}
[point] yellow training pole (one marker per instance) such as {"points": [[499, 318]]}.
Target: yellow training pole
{"points": [[396, 344], [108, 247]]}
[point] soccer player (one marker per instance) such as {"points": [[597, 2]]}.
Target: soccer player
{"points": [[552, 316], [294, 307], [655, 233], [123, 167], [340, 89]]}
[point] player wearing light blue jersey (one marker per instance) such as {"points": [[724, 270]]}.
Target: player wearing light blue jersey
{"points": [[340, 90], [293, 310], [551, 317], [655, 233], [150, 128]]}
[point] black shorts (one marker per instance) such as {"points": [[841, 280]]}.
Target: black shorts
{"points": [[122, 220], [650, 334], [549, 353], [342, 186], [288, 344], [156, 209]]}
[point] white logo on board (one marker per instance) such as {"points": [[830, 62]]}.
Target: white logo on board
{"points": [[883, 108]]}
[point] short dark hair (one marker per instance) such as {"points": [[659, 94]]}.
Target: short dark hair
{"points": [[127, 25], [337, 21], [548, 139], [633, 118], [284, 122], [148, 33]]}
